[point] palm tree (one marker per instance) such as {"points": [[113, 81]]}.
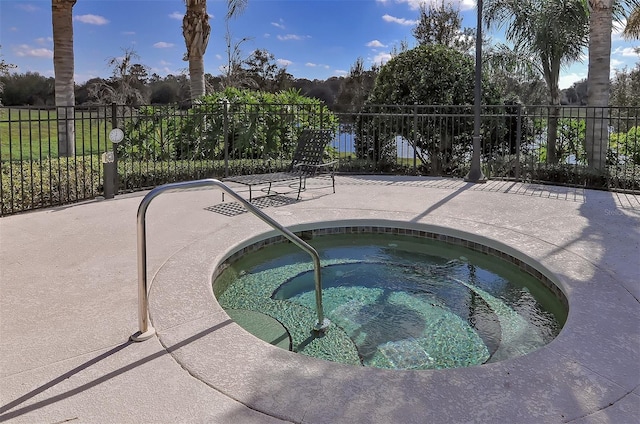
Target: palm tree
{"points": [[196, 30], [601, 16], [597, 137], [552, 33], [632, 29], [63, 65]]}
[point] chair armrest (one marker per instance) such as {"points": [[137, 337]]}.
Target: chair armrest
{"points": [[320, 165]]}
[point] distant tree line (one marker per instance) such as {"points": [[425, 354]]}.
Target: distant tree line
{"points": [[341, 94], [517, 78]]}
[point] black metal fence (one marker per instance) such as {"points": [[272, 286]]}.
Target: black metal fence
{"points": [[580, 146]]}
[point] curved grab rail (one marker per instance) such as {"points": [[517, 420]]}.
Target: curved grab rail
{"points": [[146, 330]]}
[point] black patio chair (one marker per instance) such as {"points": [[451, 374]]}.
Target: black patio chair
{"points": [[307, 163]]}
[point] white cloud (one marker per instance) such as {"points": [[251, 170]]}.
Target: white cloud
{"points": [[163, 45], [219, 56], [292, 37], [375, 43], [164, 63], [316, 65], [401, 21], [284, 62], [415, 4], [44, 40], [164, 71], [128, 33], [91, 19], [279, 24], [626, 51], [177, 16], [616, 64], [24, 50], [567, 80], [341, 72], [381, 58], [467, 4]]}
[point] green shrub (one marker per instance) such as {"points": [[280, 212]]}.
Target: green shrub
{"points": [[253, 124], [34, 184]]}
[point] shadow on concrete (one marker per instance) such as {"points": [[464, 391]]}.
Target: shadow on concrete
{"points": [[7, 414], [574, 194], [263, 202], [443, 201]]}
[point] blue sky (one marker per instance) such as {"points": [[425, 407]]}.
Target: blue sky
{"points": [[312, 38]]}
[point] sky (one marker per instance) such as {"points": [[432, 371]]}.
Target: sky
{"points": [[314, 39]]}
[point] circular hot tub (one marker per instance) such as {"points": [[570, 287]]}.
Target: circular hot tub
{"points": [[396, 298]]}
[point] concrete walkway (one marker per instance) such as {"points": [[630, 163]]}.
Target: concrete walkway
{"points": [[68, 304]]}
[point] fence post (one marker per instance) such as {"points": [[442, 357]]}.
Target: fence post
{"points": [[114, 124], [518, 139], [225, 134], [415, 134]]}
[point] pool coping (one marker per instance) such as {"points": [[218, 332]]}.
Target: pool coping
{"points": [[563, 381]]}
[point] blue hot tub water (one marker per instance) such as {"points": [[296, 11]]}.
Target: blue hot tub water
{"points": [[394, 302]]}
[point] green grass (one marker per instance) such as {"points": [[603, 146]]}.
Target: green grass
{"points": [[28, 134]]}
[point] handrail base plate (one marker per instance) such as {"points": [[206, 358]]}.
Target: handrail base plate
{"points": [[140, 337]]}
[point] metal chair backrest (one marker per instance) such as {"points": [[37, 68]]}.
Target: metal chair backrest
{"points": [[310, 151]]}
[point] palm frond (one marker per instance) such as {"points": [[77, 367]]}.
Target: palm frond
{"points": [[632, 29]]}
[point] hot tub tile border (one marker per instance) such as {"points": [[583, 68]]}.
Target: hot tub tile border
{"points": [[421, 234]]}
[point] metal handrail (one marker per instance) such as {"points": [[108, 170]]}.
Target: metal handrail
{"points": [[146, 330]]}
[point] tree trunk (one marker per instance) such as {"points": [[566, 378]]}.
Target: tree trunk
{"points": [[597, 125], [552, 134], [554, 112], [196, 73], [196, 30], [63, 64]]}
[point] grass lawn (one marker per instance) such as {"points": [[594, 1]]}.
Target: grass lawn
{"points": [[32, 134]]}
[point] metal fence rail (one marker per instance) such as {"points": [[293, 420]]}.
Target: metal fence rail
{"points": [[165, 144]]}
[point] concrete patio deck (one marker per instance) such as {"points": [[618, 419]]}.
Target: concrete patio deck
{"points": [[68, 304]]}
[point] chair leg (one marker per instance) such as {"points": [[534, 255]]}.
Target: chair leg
{"points": [[299, 188]]}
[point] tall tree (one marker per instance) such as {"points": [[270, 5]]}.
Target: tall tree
{"points": [[552, 33], [601, 16], [356, 86], [597, 133], [260, 66], [63, 65], [625, 88], [127, 83], [430, 74], [234, 74], [443, 25], [4, 72], [5, 67], [196, 30]]}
